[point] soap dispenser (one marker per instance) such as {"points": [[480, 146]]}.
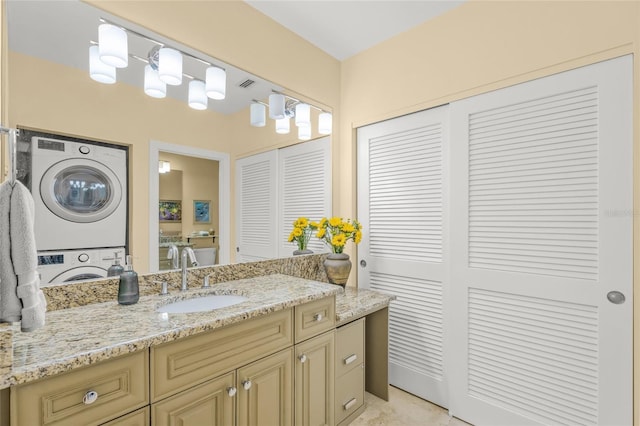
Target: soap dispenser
{"points": [[115, 269], [128, 291]]}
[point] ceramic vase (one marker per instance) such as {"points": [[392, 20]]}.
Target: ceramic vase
{"points": [[337, 266], [299, 252]]}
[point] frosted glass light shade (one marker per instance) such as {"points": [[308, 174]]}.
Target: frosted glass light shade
{"points": [[304, 133], [98, 70], [164, 166], [303, 115], [153, 86], [170, 66], [283, 125], [216, 83], [276, 106], [112, 44], [197, 95], [325, 123], [258, 115]]}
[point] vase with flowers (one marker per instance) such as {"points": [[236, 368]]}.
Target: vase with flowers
{"points": [[301, 234], [336, 232]]}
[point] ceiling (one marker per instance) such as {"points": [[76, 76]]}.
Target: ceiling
{"points": [[61, 31], [343, 28]]}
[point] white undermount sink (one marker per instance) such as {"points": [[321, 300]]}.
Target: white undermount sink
{"points": [[202, 304]]}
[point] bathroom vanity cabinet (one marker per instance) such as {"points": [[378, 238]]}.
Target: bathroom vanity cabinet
{"points": [[274, 369]]}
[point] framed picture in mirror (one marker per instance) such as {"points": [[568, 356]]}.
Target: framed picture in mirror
{"points": [[170, 211], [201, 211]]}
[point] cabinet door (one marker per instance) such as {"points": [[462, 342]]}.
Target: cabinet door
{"points": [[211, 403], [314, 382], [137, 418], [264, 391]]}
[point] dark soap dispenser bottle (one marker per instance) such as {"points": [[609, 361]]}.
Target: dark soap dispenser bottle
{"points": [[115, 269], [128, 291]]}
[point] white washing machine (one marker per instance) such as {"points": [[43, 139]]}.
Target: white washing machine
{"points": [[74, 265], [80, 194]]}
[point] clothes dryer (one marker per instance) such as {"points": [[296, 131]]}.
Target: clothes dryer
{"points": [[75, 265], [80, 194]]}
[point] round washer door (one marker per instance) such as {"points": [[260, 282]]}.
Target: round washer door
{"points": [[80, 190], [80, 273]]}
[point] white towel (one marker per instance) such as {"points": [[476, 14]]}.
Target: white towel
{"points": [[10, 306], [25, 258]]}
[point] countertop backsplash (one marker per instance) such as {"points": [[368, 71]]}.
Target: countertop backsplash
{"points": [[70, 295]]}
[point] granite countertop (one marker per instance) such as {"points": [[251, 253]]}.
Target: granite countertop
{"points": [[89, 334], [355, 303]]}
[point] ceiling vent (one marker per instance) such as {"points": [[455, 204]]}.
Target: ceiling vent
{"points": [[245, 84]]}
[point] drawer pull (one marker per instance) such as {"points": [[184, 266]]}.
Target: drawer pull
{"points": [[232, 391], [350, 404], [348, 360], [302, 358], [246, 384], [317, 317], [90, 397]]}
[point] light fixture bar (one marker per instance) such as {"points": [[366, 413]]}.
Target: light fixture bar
{"points": [[106, 21], [297, 100]]}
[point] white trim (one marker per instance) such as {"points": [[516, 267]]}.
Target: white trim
{"points": [[224, 206]]}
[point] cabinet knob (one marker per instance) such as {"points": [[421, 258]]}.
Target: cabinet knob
{"points": [[246, 384], [317, 317], [232, 391], [302, 358], [90, 397]]}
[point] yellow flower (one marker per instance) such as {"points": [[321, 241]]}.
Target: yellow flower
{"points": [[323, 222], [290, 239], [358, 237], [302, 222], [335, 221], [348, 228], [297, 232], [321, 232], [339, 240], [315, 225]]}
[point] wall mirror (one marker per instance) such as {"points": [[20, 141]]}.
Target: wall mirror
{"points": [[49, 90]]}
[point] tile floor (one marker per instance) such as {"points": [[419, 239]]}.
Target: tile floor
{"points": [[404, 409]]}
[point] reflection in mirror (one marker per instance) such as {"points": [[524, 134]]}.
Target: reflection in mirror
{"points": [[188, 209]]}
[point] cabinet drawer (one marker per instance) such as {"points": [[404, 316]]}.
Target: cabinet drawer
{"points": [[349, 393], [315, 317], [179, 365], [121, 385], [349, 347]]}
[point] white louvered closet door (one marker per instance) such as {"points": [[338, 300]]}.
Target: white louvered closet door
{"points": [[304, 182], [256, 207], [402, 207], [541, 233]]}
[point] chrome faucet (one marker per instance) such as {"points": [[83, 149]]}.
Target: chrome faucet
{"points": [[187, 251], [172, 254]]}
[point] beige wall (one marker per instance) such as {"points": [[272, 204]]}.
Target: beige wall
{"points": [[478, 47]]}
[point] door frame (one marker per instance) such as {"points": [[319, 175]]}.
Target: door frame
{"points": [[224, 191]]}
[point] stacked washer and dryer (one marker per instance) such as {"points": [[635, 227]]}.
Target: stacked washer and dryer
{"points": [[80, 199]]}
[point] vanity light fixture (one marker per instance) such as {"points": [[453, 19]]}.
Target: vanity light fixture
{"points": [[283, 125], [325, 125], [98, 70], [303, 115], [216, 83], [197, 95], [304, 133], [164, 166], [170, 66], [288, 107], [164, 66], [258, 114], [112, 44], [153, 86], [276, 106]]}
